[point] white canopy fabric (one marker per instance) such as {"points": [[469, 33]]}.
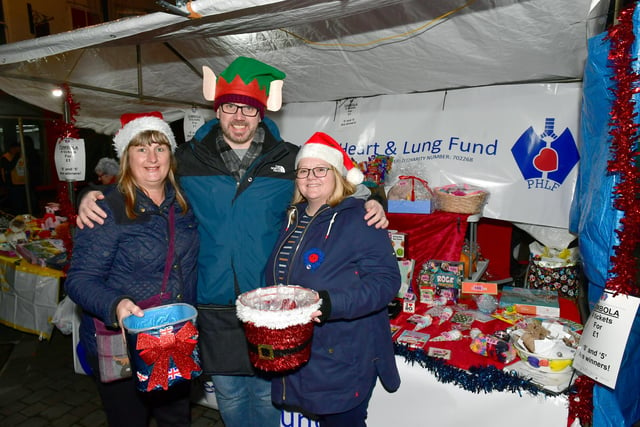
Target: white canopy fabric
{"points": [[329, 50]]}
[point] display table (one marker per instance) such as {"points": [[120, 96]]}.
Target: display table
{"points": [[424, 400], [29, 296]]}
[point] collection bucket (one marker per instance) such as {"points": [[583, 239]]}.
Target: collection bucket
{"points": [[278, 326], [163, 346]]}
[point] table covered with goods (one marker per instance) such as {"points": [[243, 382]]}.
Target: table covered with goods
{"points": [[471, 357], [32, 258]]}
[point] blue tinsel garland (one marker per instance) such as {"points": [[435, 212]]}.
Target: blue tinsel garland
{"points": [[476, 379]]}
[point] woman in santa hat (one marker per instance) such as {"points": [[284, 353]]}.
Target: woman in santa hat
{"points": [[145, 254], [327, 246]]}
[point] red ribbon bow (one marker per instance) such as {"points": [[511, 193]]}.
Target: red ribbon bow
{"points": [[157, 351]]}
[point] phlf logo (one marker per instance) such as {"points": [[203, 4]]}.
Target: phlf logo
{"points": [[545, 160]]}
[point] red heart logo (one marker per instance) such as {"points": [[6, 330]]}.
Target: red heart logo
{"points": [[546, 160]]}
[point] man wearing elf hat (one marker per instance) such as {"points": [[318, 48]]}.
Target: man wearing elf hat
{"points": [[239, 176]]}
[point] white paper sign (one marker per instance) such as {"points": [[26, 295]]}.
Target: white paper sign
{"points": [[605, 337], [348, 112], [70, 159], [193, 119]]}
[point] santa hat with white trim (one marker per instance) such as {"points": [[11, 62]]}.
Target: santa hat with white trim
{"points": [[134, 123], [322, 146]]}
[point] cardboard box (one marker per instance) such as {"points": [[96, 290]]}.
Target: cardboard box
{"points": [[534, 302], [407, 206]]}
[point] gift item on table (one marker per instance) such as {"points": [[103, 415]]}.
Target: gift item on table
{"points": [[554, 269], [42, 252], [462, 320], [7, 250], [534, 302], [162, 346], [410, 194], [452, 335], [508, 315], [443, 313], [487, 304], [409, 301], [398, 242], [50, 220], [277, 323], [440, 282], [421, 321], [493, 347], [19, 229], [413, 339], [406, 276], [376, 168], [460, 198], [447, 280]]}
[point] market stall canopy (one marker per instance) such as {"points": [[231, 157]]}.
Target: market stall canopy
{"points": [[329, 50]]}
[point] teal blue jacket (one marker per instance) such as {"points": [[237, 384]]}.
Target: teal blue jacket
{"points": [[238, 223]]}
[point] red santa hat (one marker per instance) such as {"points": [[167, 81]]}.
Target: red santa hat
{"points": [[134, 123], [322, 146]]}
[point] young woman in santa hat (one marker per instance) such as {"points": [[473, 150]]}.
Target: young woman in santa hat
{"points": [[327, 246]]}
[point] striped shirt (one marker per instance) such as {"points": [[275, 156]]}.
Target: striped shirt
{"points": [[287, 250]]}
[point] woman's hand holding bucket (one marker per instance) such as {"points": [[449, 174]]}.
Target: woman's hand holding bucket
{"points": [[126, 308]]}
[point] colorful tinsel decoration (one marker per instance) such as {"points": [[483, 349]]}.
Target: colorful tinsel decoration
{"points": [[624, 152]]}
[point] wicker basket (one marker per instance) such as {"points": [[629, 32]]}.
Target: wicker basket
{"points": [[460, 198], [278, 326]]}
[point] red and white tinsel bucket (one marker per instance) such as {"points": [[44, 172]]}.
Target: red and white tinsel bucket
{"points": [[277, 323]]}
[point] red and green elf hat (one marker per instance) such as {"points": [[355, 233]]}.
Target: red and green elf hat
{"points": [[246, 81]]}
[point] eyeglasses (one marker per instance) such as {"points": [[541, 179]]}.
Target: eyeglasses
{"points": [[319, 172], [247, 110]]}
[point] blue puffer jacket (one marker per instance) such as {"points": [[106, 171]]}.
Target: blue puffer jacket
{"points": [[126, 258], [356, 265], [238, 223]]}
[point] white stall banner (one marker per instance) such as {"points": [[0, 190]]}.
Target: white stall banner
{"points": [[519, 142], [604, 338], [70, 159]]}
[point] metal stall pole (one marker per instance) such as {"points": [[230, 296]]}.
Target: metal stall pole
{"points": [[67, 120], [27, 178]]}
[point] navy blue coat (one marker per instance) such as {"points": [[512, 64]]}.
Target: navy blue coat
{"points": [[125, 258], [354, 347]]}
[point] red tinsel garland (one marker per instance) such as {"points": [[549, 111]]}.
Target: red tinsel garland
{"points": [[64, 130], [624, 150], [624, 153], [581, 401]]}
